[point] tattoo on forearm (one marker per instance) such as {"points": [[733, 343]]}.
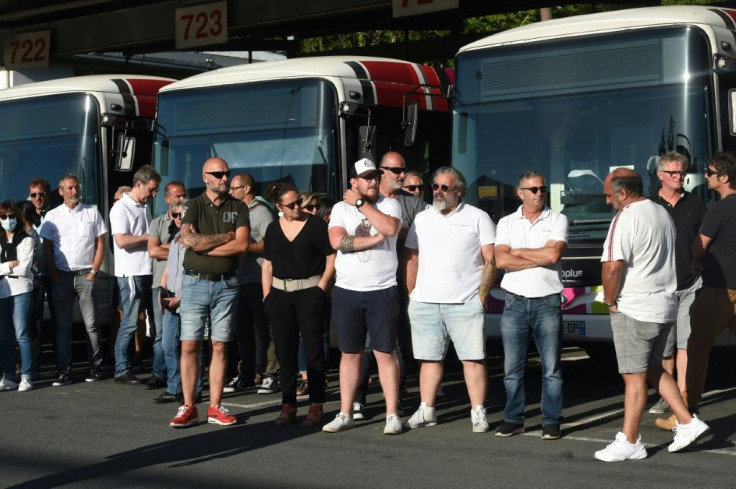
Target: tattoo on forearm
{"points": [[488, 278], [347, 244], [217, 239]]}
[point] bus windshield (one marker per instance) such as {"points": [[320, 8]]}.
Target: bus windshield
{"points": [[276, 131], [49, 137], [574, 110]]}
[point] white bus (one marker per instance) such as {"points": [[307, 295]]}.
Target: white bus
{"points": [[302, 120], [97, 127], [577, 97]]}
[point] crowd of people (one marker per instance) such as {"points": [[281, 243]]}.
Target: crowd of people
{"points": [[398, 279]]}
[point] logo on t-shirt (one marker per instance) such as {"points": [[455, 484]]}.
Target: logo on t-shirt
{"points": [[230, 216]]}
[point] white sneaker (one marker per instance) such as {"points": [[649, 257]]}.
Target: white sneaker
{"points": [[393, 425], [621, 449], [341, 422], [25, 384], [268, 386], [7, 385], [358, 411], [687, 434], [480, 421], [424, 416]]}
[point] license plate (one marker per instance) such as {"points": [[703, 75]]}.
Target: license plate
{"points": [[573, 328]]}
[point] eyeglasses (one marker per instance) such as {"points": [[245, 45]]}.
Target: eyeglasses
{"points": [[233, 189], [297, 202], [37, 194], [443, 188], [372, 176], [9, 216], [675, 173], [311, 207], [534, 190], [710, 173], [219, 174], [176, 215], [396, 170], [414, 188]]}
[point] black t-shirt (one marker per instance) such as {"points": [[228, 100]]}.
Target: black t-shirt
{"points": [[687, 214], [207, 218], [719, 263], [302, 258]]}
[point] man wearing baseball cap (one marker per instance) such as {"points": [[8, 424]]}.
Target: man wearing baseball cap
{"points": [[363, 229]]}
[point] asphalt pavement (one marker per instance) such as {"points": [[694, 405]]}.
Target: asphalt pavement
{"points": [[105, 434]]}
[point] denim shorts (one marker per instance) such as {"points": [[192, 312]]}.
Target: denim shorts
{"points": [[203, 302], [434, 325], [357, 314], [639, 344]]}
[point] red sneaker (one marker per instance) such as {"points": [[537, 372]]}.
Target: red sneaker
{"points": [[219, 415], [186, 416]]}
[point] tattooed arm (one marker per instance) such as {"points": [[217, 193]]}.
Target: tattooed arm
{"points": [[203, 242], [489, 274], [347, 243]]}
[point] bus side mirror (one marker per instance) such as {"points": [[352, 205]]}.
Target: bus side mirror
{"points": [[410, 124], [125, 154], [367, 142]]}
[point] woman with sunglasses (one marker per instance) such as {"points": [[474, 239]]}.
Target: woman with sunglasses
{"points": [[297, 267], [16, 291]]}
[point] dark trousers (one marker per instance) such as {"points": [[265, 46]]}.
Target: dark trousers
{"points": [[291, 313], [251, 331]]}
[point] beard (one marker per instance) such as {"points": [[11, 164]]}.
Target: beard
{"points": [[439, 205], [371, 195]]}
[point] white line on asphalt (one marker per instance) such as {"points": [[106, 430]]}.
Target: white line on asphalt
{"points": [[252, 406]]}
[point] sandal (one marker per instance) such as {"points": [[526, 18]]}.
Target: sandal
{"points": [[303, 389], [314, 416], [287, 415]]}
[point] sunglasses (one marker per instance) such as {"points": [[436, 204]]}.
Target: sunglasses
{"points": [[297, 202], [219, 174], [233, 189], [396, 170], [443, 188], [39, 194], [710, 172], [176, 215], [534, 190], [675, 173], [311, 207], [414, 188], [9, 216]]}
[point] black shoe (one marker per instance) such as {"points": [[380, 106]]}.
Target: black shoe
{"points": [[155, 383], [93, 375], [551, 432], [167, 397], [509, 429], [62, 380], [128, 378]]}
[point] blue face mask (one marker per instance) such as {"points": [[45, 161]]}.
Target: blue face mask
{"points": [[9, 224]]}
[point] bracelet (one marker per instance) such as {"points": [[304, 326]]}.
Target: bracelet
{"points": [[610, 304]]}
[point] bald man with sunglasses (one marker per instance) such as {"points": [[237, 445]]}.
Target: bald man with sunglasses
{"points": [[529, 246]]}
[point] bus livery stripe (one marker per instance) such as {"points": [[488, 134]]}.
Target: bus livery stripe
{"points": [[728, 16], [126, 92]]}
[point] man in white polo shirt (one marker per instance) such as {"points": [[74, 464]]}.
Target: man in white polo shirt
{"points": [[449, 273], [529, 246], [129, 221], [640, 289], [74, 245]]}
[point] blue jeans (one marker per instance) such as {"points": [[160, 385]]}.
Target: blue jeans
{"points": [[172, 353], [542, 318], [159, 362], [68, 288], [15, 313], [129, 323]]}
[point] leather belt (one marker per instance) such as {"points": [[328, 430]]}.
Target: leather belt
{"points": [[292, 284], [212, 277], [79, 273]]}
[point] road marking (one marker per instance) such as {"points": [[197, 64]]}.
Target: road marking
{"points": [[253, 405]]}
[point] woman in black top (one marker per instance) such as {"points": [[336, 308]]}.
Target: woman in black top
{"points": [[298, 264]]}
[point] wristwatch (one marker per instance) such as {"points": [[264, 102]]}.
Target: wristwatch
{"points": [[94, 272], [359, 203]]}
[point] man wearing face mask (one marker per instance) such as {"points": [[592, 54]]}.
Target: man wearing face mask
{"points": [[74, 245]]}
